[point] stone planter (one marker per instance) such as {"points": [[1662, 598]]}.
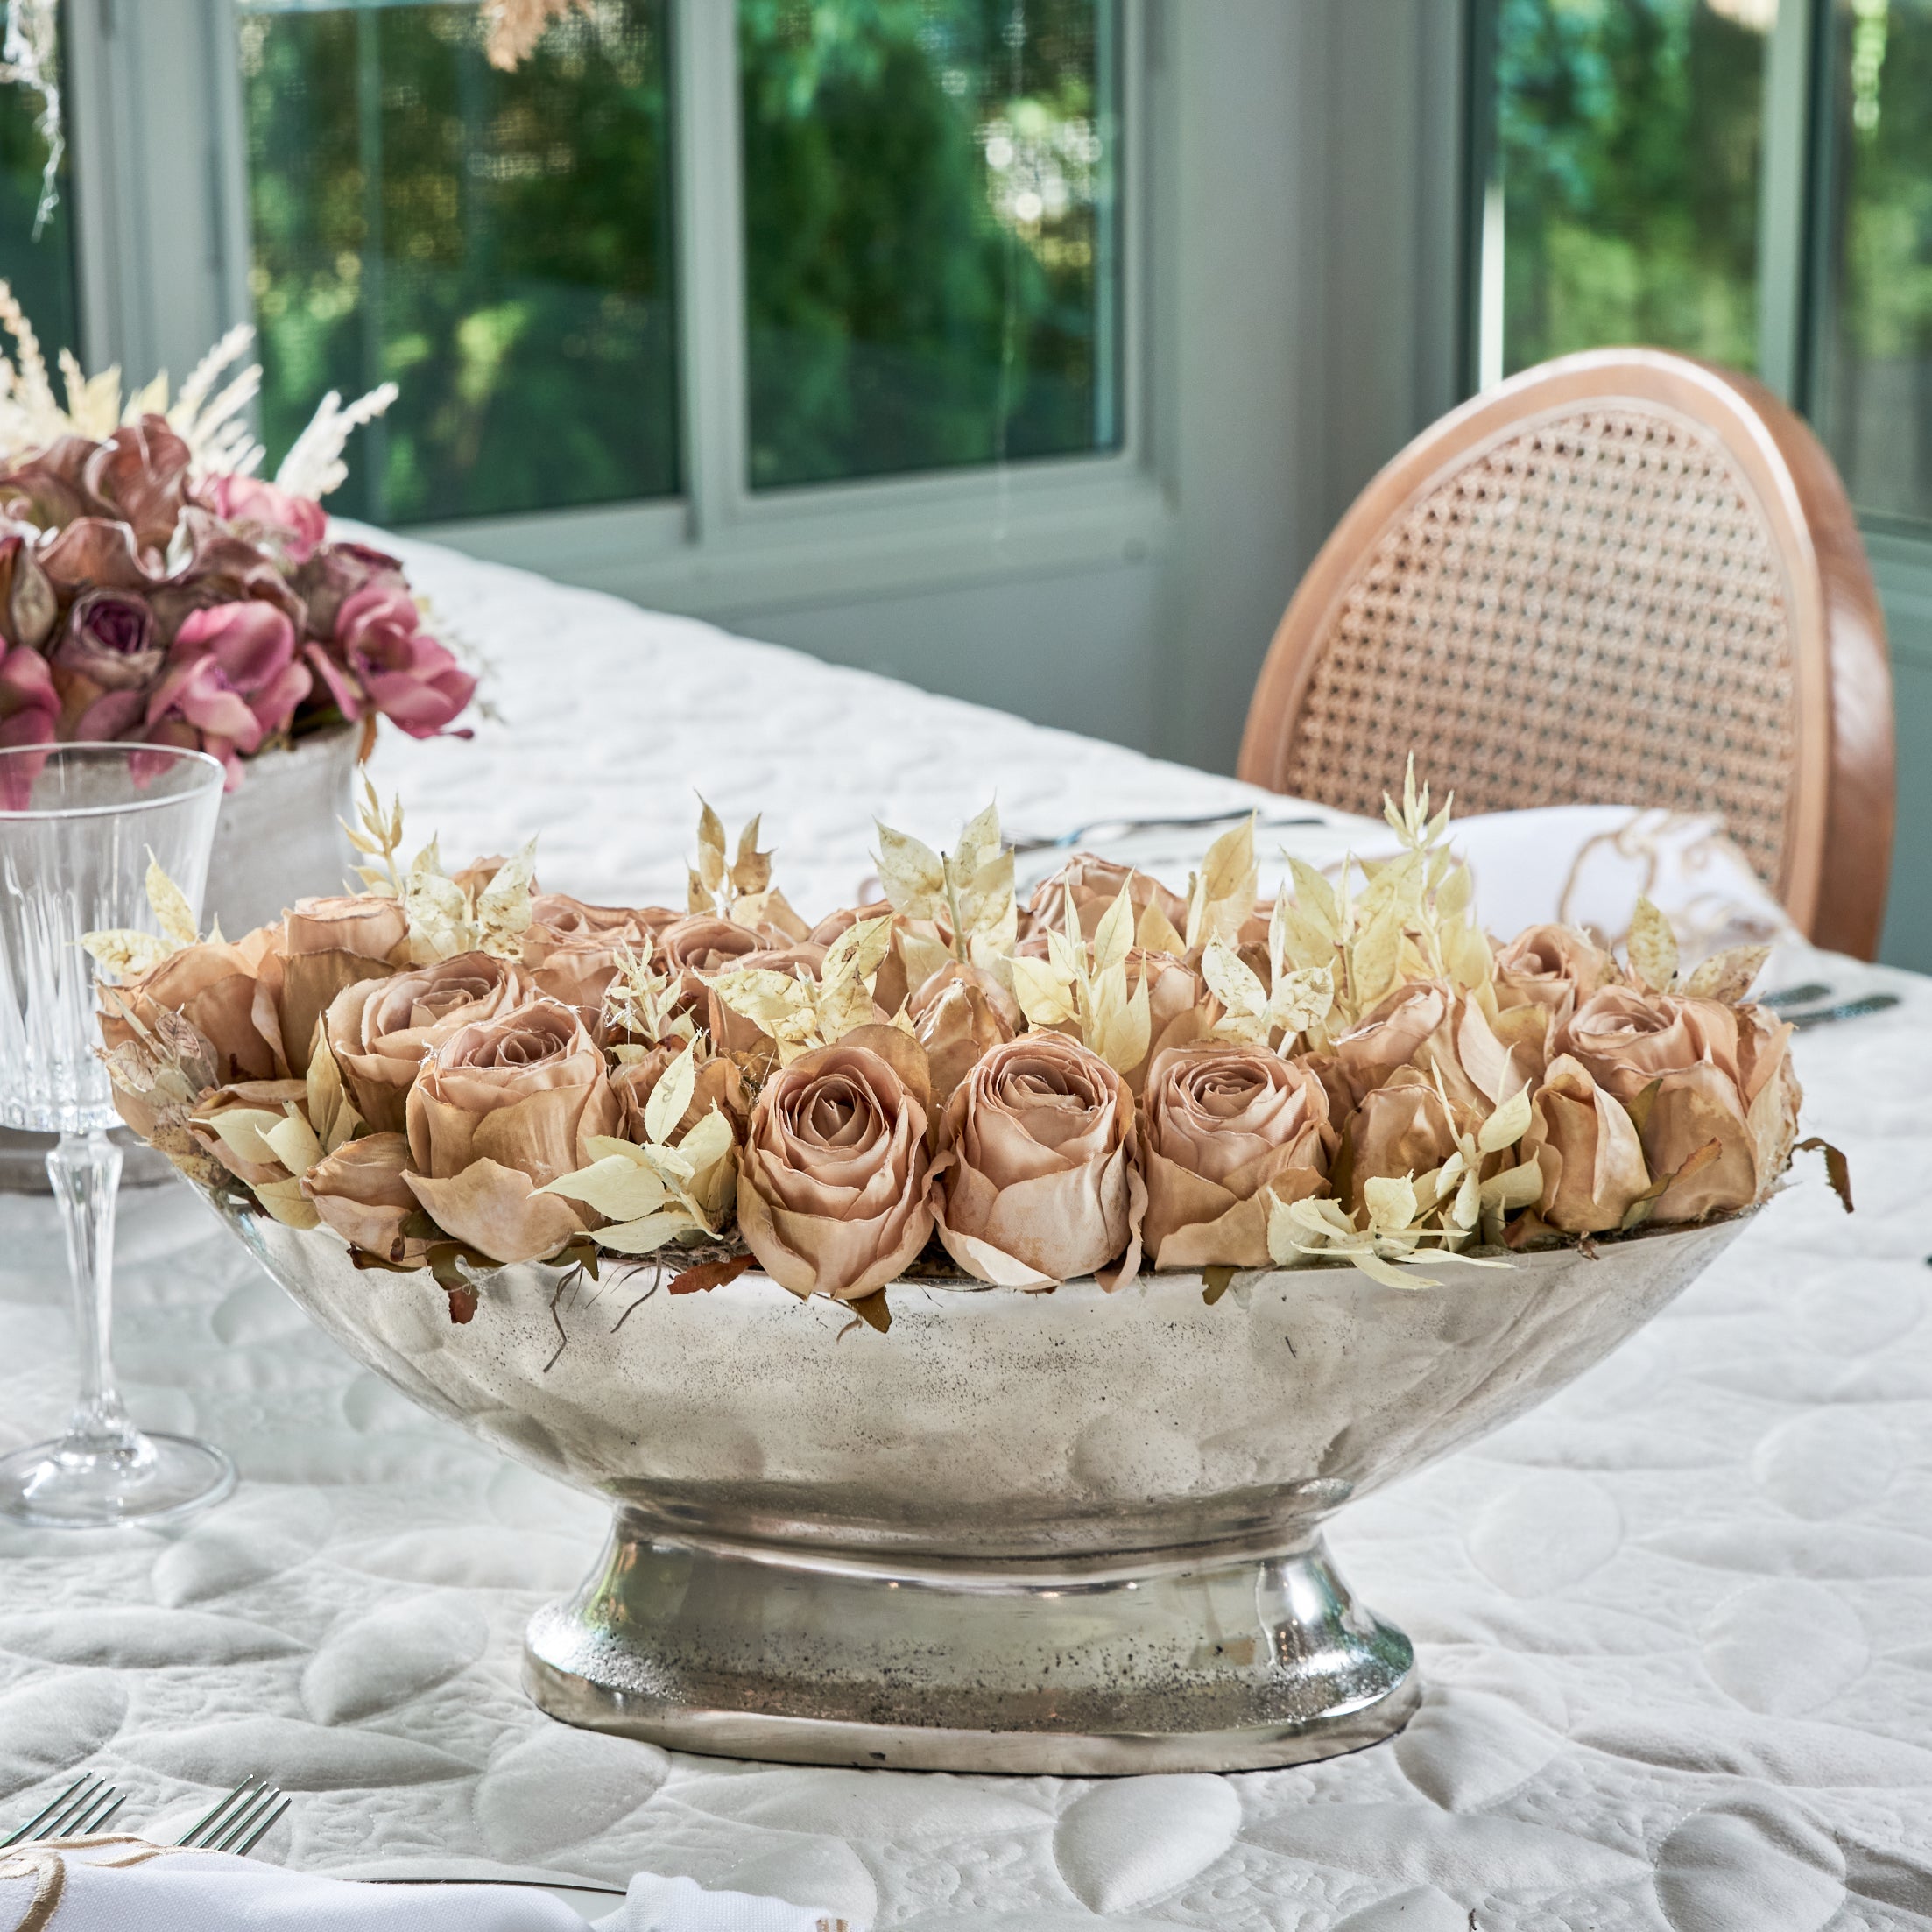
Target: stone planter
{"points": [[279, 839]]}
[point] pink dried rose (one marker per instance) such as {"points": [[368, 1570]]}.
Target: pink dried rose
{"points": [[831, 1191], [29, 610], [1587, 1147], [382, 658], [380, 1030], [294, 524], [362, 1191], [1721, 1074], [335, 573], [232, 683], [500, 1109], [1225, 1126], [29, 705], [109, 656], [1036, 1180]]}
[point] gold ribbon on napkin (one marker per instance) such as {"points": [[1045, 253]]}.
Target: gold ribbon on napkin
{"points": [[46, 1863]]}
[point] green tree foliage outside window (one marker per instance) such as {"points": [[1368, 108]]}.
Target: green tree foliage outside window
{"points": [[498, 245], [926, 233], [1628, 139]]}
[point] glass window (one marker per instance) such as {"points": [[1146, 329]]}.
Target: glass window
{"points": [[930, 262], [36, 249], [1624, 191], [1874, 383], [500, 245]]}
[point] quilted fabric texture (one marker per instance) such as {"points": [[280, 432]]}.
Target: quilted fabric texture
{"points": [[1676, 1624]]}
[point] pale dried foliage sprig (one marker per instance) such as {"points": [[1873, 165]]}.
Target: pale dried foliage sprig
{"points": [[1221, 895], [1296, 1000], [737, 887], [1651, 949], [313, 465], [654, 1191], [128, 951], [970, 888], [1412, 917], [445, 918], [802, 1015], [642, 1002], [164, 1068], [1086, 985]]}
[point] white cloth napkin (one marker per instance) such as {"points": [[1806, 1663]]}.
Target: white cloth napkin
{"points": [[121, 1884]]}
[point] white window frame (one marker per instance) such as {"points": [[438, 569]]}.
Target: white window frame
{"points": [[162, 248]]}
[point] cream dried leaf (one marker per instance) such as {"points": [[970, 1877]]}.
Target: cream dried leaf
{"points": [[1727, 976], [1653, 947], [912, 874]]}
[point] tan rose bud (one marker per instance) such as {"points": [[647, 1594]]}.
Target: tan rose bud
{"points": [[245, 1104], [324, 945], [718, 1084], [212, 986], [1224, 1126], [1036, 1180], [1401, 1129], [1427, 1025], [1180, 1010], [379, 1029], [362, 1191], [503, 1107], [732, 1032], [1586, 1144], [832, 1179], [957, 1014], [1096, 883], [920, 947]]}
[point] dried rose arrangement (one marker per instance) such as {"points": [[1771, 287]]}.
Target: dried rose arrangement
{"points": [[455, 1070], [154, 590]]}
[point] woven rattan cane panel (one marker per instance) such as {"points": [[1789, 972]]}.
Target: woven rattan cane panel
{"points": [[1591, 611]]}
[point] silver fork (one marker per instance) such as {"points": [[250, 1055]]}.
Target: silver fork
{"points": [[238, 1821], [84, 1806]]}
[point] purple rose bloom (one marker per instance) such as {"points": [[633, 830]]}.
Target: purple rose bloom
{"points": [[111, 641]]}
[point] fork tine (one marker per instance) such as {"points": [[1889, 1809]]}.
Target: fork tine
{"points": [[67, 1822], [46, 1811], [107, 1801], [217, 1819], [248, 1843], [262, 1801]]}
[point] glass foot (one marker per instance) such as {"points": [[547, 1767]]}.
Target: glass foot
{"points": [[75, 1483]]}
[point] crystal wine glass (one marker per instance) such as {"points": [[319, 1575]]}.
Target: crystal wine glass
{"points": [[78, 826]]}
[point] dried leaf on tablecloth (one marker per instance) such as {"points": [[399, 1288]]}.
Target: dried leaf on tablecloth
{"points": [[1837, 1169]]}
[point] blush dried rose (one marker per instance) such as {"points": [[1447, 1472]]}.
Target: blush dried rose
{"points": [[1225, 1126], [1430, 1024], [227, 1122], [832, 1179], [1402, 1128], [1096, 884], [732, 1032], [294, 524], [362, 1191], [380, 1029], [323, 945], [1554, 967], [233, 681], [571, 949], [1036, 1180], [501, 1108], [957, 1014], [1180, 1010], [1586, 1146], [214, 987], [1721, 1074]]}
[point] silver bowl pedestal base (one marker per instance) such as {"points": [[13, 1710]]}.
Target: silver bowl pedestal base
{"points": [[1213, 1661]]}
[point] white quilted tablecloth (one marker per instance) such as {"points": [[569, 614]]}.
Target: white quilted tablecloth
{"points": [[1676, 1624]]}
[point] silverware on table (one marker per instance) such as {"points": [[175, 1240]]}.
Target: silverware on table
{"points": [[1120, 827], [84, 1806], [1846, 1009], [237, 1823], [1795, 996]]}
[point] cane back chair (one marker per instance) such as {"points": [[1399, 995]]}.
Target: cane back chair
{"points": [[1623, 577]]}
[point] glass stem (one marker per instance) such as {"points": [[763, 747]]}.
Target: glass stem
{"points": [[86, 1172]]}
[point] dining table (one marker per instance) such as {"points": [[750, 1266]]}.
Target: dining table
{"points": [[1675, 1625]]}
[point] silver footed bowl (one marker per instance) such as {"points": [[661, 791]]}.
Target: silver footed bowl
{"points": [[1072, 1532]]}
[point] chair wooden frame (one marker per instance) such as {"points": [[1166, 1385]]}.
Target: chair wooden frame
{"points": [[1839, 809]]}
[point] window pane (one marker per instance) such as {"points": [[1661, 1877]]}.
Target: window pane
{"points": [[498, 243], [930, 262], [38, 267], [1875, 387], [1626, 150]]}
